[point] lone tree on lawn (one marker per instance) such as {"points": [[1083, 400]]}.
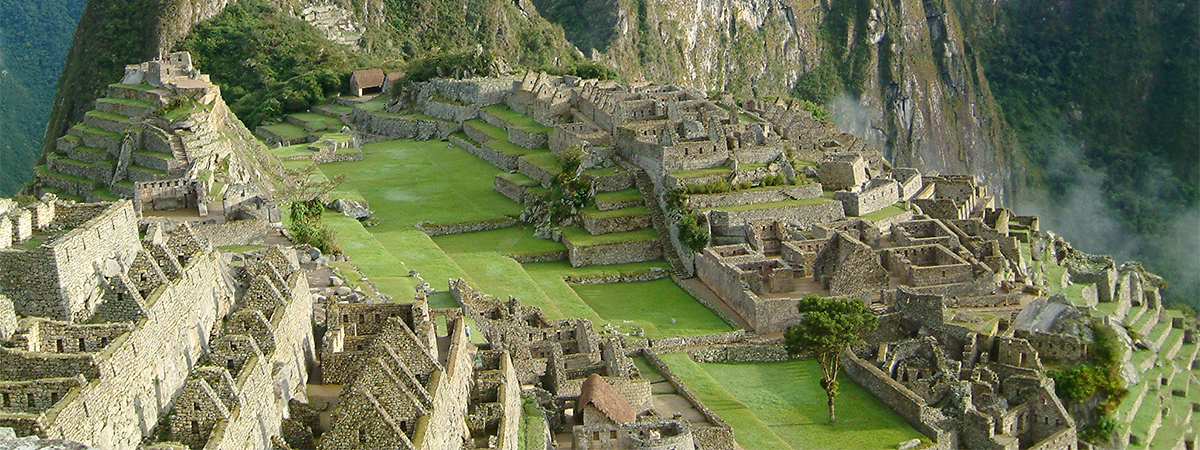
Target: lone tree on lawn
{"points": [[829, 327]]}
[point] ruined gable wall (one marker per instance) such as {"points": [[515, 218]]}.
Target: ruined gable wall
{"points": [[8, 317], [451, 390], [295, 347], [29, 279], [142, 371], [75, 255], [251, 424], [510, 397]]}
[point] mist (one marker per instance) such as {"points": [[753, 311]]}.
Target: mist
{"points": [[1085, 217]]}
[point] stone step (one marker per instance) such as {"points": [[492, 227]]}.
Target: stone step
{"points": [[126, 107], [610, 179], [514, 185], [625, 198], [141, 92], [66, 142], [621, 220], [1133, 316], [541, 166], [1173, 344], [155, 160], [96, 137], [483, 132], [87, 154], [92, 171], [142, 174], [646, 186], [76, 187], [107, 121], [1159, 334], [584, 249]]}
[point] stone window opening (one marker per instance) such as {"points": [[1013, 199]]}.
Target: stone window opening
{"points": [[103, 342], [595, 435], [82, 345], [53, 397], [362, 435], [7, 400], [360, 347], [60, 345], [612, 434], [378, 319], [196, 405], [230, 365], [30, 401], [195, 427]]}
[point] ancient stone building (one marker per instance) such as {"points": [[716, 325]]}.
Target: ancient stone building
{"points": [[122, 330]]}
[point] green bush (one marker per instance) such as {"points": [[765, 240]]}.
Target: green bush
{"points": [[306, 227], [692, 233], [464, 64], [818, 86]]}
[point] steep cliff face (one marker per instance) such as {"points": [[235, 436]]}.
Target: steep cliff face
{"points": [[925, 98], [908, 81]]}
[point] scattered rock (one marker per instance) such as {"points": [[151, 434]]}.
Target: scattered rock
{"points": [[336, 281], [909, 444], [343, 291], [350, 208], [313, 253]]}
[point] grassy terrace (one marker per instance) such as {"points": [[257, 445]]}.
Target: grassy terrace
{"points": [[445, 184], [782, 204], [509, 148], [519, 179], [544, 160], [580, 237], [624, 195], [781, 406], [83, 128], [700, 173], [292, 150], [287, 131], [318, 122], [607, 171], [517, 120], [141, 87], [639, 210], [889, 211], [492, 131], [108, 116]]}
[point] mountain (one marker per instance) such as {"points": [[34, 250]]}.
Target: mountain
{"points": [[34, 37], [1084, 111]]}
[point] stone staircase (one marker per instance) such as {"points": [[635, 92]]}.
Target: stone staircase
{"points": [[1160, 410], [646, 186]]}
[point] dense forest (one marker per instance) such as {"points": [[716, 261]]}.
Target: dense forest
{"points": [[34, 37], [1104, 97]]}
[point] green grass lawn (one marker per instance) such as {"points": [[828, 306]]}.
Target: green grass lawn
{"points": [[490, 130], [651, 305], [319, 122], [623, 195], [516, 119], [579, 236], [287, 131], [781, 406], [292, 150], [887, 211]]}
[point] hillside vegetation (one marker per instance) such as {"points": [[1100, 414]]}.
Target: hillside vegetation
{"points": [[33, 42]]}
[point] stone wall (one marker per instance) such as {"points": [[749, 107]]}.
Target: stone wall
{"points": [[476, 91], [878, 194], [451, 389], [8, 318], [403, 127], [762, 195], [739, 353], [526, 139], [238, 232], [601, 224], [60, 279], [141, 371], [908, 405], [732, 223], [439, 229], [615, 253]]}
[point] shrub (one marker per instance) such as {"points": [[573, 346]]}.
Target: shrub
{"points": [[306, 227], [691, 232]]}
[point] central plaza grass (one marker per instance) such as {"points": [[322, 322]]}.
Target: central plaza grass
{"points": [[406, 182], [781, 405]]}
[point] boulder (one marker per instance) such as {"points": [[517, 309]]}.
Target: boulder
{"points": [[350, 208], [343, 291], [336, 281]]}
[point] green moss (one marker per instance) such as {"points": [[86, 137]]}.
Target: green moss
{"points": [[287, 131], [517, 120]]}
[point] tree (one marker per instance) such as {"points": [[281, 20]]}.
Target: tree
{"points": [[828, 327]]}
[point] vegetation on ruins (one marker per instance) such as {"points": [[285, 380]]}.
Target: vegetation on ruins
{"points": [[268, 62], [1101, 376], [463, 64], [828, 327], [692, 232], [306, 227]]}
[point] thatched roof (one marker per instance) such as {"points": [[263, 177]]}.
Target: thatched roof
{"points": [[368, 78], [600, 394]]}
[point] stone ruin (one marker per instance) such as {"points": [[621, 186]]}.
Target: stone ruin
{"points": [[120, 338], [162, 137]]}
